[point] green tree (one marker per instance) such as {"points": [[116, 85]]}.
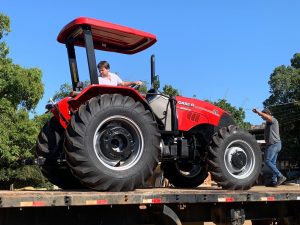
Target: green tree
{"points": [[295, 61], [284, 85], [4, 30], [170, 90], [64, 91], [143, 88], [284, 103], [20, 91]]}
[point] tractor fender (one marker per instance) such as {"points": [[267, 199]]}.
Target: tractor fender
{"points": [[225, 121], [96, 89], [65, 107]]}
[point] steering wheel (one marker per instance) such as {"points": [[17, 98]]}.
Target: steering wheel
{"points": [[135, 86]]}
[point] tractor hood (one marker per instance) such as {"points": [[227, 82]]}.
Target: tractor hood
{"points": [[107, 36]]}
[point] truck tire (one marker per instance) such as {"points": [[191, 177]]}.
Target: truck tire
{"points": [[49, 146], [184, 175], [112, 143], [234, 159]]}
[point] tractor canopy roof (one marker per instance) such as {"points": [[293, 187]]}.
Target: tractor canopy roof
{"points": [[107, 36]]}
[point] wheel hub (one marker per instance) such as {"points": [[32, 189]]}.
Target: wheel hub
{"points": [[116, 143], [239, 159]]}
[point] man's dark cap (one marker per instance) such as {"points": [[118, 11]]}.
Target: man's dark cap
{"points": [[267, 111]]}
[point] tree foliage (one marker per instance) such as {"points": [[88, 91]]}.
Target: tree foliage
{"points": [[285, 83], [23, 88], [143, 88], [64, 91], [20, 91], [170, 90], [4, 30]]}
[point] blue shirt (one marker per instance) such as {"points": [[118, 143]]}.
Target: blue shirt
{"points": [[114, 80]]}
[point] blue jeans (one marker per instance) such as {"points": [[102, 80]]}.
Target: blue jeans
{"points": [[271, 158]]}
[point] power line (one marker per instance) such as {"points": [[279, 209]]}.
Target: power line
{"points": [[286, 113], [294, 103]]}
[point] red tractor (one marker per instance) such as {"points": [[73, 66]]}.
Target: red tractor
{"points": [[111, 138]]}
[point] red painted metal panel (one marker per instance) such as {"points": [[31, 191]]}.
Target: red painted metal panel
{"points": [[108, 36], [192, 112], [68, 104]]}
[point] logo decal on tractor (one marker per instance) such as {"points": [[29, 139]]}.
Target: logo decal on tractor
{"points": [[186, 103], [193, 116]]}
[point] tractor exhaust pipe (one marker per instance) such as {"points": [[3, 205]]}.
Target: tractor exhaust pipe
{"points": [[152, 61], [154, 78]]}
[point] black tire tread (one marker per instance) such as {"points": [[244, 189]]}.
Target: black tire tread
{"points": [[215, 160], [178, 180], [79, 160], [49, 146]]}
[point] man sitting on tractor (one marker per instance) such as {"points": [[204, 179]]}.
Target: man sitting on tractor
{"points": [[108, 78]]}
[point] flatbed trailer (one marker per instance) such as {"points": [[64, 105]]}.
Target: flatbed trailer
{"points": [[261, 205]]}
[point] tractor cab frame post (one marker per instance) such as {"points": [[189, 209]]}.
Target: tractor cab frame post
{"points": [[90, 52], [72, 63]]}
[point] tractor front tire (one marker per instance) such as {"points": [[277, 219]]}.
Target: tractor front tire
{"points": [[49, 146], [235, 159], [112, 143]]}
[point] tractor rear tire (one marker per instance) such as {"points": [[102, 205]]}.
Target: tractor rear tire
{"points": [[49, 141], [184, 176], [235, 159], [61, 176], [112, 143], [49, 146]]}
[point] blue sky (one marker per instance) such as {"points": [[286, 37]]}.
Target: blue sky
{"points": [[211, 49]]}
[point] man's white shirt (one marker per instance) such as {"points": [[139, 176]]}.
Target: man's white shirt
{"points": [[115, 80]]}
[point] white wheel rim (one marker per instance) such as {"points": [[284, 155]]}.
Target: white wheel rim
{"points": [[238, 147], [137, 152]]}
